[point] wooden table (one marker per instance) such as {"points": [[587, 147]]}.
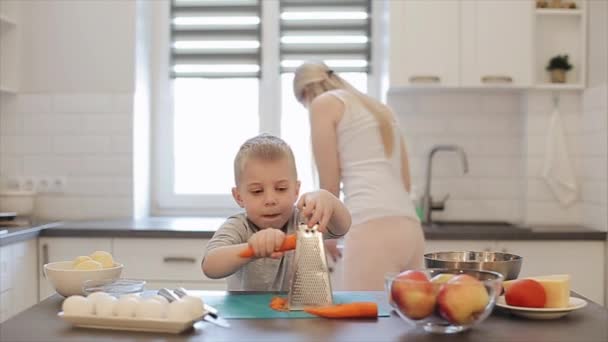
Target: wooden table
{"points": [[40, 323]]}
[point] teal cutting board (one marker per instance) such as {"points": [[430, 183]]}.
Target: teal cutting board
{"points": [[256, 305]]}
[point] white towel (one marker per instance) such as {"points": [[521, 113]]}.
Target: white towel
{"points": [[557, 169]]}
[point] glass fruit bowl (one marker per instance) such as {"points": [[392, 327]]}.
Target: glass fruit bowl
{"points": [[442, 300]]}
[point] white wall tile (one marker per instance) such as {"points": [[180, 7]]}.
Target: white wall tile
{"points": [[10, 166], [123, 103], [121, 144], [59, 208], [10, 123], [595, 97], [457, 188], [500, 103], [488, 167], [500, 189], [34, 103], [538, 190], [81, 144], [43, 165], [8, 103], [107, 208], [595, 120], [108, 166], [84, 137], [594, 168], [595, 192], [107, 124], [83, 103], [93, 187], [553, 213], [595, 216]]}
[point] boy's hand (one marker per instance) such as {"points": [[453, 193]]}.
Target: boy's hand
{"points": [[266, 242], [317, 207]]}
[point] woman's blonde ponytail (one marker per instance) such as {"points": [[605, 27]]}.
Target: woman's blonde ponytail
{"points": [[316, 78]]}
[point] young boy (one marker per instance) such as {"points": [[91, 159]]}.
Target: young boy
{"points": [[267, 188]]}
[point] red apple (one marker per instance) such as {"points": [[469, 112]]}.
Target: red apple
{"points": [[413, 294], [526, 292], [462, 299]]}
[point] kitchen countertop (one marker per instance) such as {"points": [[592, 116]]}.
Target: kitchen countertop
{"points": [[190, 227], [41, 323]]}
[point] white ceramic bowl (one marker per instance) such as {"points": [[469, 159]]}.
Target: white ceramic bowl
{"points": [[67, 281]]}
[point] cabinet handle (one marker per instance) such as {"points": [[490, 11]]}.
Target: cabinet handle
{"points": [[179, 259], [425, 79], [45, 257], [496, 79]]}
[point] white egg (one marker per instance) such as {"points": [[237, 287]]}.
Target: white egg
{"points": [[105, 306], [132, 295], [179, 310], [195, 306], [126, 306], [77, 306], [160, 299], [95, 296], [150, 308]]}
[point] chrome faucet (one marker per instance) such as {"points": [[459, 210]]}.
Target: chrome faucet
{"points": [[428, 205]]}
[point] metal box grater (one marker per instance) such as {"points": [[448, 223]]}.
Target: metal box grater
{"points": [[310, 284]]}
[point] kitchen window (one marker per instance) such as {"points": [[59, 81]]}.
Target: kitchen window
{"points": [[229, 61]]}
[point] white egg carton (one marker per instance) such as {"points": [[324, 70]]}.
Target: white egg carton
{"points": [[103, 311], [128, 323]]}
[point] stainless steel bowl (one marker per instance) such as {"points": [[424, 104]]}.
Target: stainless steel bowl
{"points": [[507, 264]]}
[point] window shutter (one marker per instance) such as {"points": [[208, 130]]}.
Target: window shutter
{"points": [[334, 31], [215, 38]]}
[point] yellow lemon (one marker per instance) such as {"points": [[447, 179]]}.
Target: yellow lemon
{"points": [[80, 259], [89, 265], [104, 258]]}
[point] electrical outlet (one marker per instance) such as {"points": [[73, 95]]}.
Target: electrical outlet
{"points": [[57, 184], [43, 184], [26, 183]]}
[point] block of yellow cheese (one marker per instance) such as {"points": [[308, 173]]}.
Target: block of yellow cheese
{"points": [[557, 289]]}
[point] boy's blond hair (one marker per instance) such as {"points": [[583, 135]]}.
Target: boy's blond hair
{"points": [[264, 147]]}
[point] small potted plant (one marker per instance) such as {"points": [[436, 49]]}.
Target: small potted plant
{"points": [[558, 66]]}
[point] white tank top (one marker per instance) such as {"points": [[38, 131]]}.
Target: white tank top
{"points": [[372, 184]]}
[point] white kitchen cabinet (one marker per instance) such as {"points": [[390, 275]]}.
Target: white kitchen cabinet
{"points": [[583, 260], [165, 262], [462, 43], [497, 42], [53, 249], [425, 45], [18, 278]]}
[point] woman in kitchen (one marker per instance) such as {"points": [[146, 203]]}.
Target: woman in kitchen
{"points": [[356, 141]]}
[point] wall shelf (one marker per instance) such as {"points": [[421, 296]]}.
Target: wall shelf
{"points": [[559, 86], [560, 32], [559, 12]]}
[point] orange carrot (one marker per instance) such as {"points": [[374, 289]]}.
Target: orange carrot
{"points": [[288, 244], [278, 304], [346, 310]]}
